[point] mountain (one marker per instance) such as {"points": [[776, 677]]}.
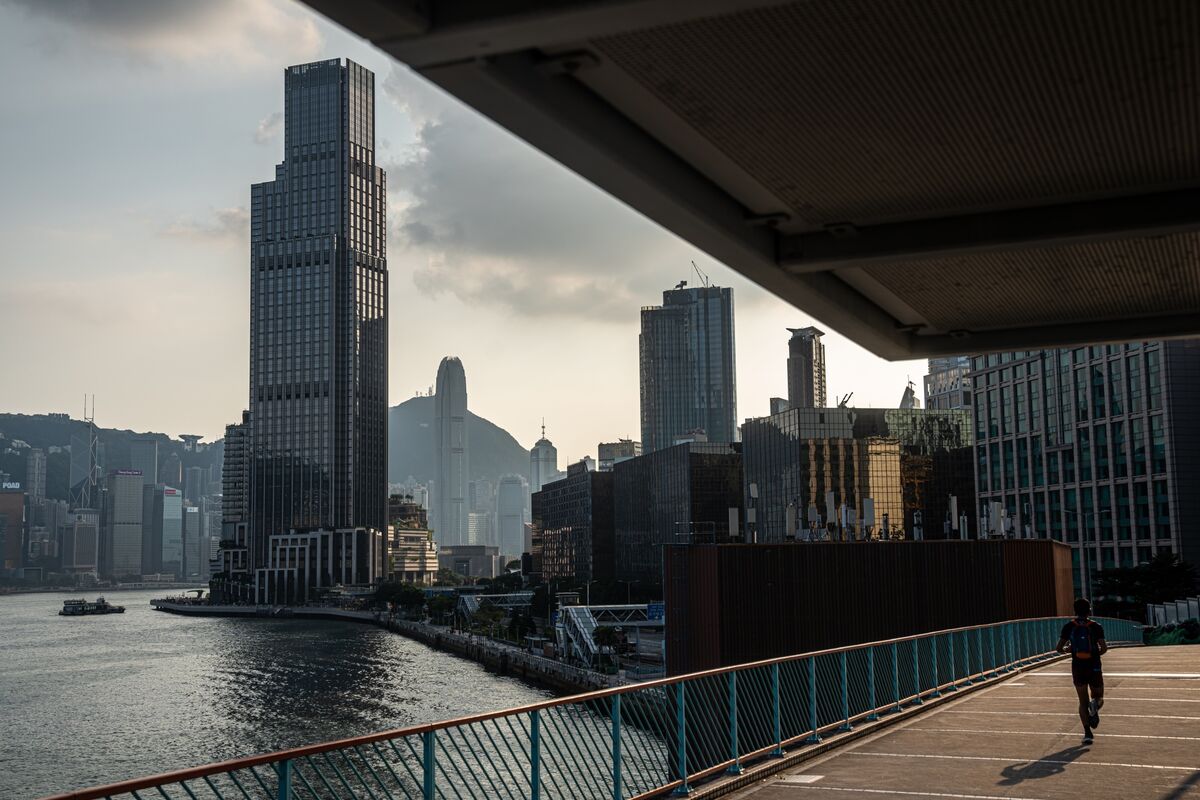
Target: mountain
{"points": [[492, 450], [18, 432]]}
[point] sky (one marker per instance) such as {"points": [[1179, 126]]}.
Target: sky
{"points": [[131, 134]]}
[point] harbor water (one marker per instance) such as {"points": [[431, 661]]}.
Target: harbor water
{"points": [[95, 699]]}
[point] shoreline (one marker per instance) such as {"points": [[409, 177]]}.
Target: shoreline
{"points": [[502, 659]]}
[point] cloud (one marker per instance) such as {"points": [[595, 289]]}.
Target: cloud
{"points": [[485, 217], [268, 128], [225, 225], [157, 31]]}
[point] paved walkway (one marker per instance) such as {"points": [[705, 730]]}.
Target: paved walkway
{"points": [[1021, 740]]}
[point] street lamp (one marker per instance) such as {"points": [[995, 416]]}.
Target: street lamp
{"points": [[1083, 546]]}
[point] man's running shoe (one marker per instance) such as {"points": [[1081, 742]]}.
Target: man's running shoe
{"points": [[1093, 715], [1087, 736]]}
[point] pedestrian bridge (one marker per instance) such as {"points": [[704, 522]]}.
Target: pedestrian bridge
{"points": [[725, 729]]}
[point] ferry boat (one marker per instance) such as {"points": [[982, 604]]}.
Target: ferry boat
{"points": [[80, 608]]}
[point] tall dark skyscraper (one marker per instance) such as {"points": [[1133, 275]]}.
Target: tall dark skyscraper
{"points": [[450, 429], [806, 368], [318, 315], [687, 367]]}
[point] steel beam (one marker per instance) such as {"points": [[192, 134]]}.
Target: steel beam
{"points": [[1128, 217], [563, 119]]}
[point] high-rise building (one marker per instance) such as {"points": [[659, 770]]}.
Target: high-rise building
{"points": [[1092, 446], [162, 530], [512, 512], [481, 497], [414, 556], [12, 528], [611, 453], [318, 327], [806, 368], [543, 462], [686, 492], [79, 542], [686, 354], [170, 470], [35, 475], [479, 528], [449, 491], [235, 498], [195, 483], [143, 458], [574, 519], [123, 522], [195, 543], [948, 384]]}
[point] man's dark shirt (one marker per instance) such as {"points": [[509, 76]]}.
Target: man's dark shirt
{"points": [[1085, 665]]}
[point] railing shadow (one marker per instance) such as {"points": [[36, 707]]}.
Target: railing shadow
{"points": [[1185, 786]]}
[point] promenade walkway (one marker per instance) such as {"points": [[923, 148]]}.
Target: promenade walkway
{"points": [[1021, 740]]}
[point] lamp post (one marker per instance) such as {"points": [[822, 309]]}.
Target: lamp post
{"points": [[1084, 546]]}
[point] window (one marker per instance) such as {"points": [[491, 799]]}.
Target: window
{"points": [[1137, 434], [1098, 404], [1085, 454], [1039, 476], [1081, 395], [1120, 461], [1158, 445], [1116, 395], [1052, 468], [1162, 511], [1141, 508], [1154, 378], [1023, 463], [1101, 440], [1009, 463]]}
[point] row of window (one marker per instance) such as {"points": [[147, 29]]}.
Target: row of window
{"points": [[1138, 510]]}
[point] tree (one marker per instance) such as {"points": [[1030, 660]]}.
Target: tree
{"points": [[1125, 591], [448, 577], [607, 638], [441, 606]]}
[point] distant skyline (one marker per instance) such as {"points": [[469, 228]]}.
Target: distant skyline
{"points": [[134, 133]]}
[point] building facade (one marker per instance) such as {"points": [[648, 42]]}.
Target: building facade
{"points": [[574, 520], [452, 455], [12, 528], [806, 368], [686, 361], [412, 553], [948, 384], [610, 453], [543, 463], [143, 458], [318, 317], [35, 475], [1092, 446], [123, 508], [235, 499], [684, 492], [162, 530], [512, 512]]}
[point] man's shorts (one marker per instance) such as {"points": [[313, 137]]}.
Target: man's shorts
{"points": [[1087, 675]]}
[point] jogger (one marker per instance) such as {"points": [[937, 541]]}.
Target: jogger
{"points": [[1083, 638]]}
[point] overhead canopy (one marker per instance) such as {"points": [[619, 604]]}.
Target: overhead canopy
{"points": [[925, 176]]}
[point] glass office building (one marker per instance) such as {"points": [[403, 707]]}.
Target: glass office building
{"points": [[687, 367], [691, 491], [573, 517], [318, 315], [1094, 446]]}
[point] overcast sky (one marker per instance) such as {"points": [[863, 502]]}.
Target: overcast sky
{"points": [[130, 139]]}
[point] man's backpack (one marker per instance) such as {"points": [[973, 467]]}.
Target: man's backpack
{"points": [[1081, 638]]}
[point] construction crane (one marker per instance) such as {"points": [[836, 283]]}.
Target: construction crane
{"points": [[701, 275], [846, 399]]}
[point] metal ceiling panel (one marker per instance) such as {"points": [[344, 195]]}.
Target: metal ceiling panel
{"points": [[924, 176]]}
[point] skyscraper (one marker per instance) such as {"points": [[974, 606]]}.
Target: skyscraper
{"points": [[318, 316], [543, 463], [450, 432], [143, 458], [806, 368], [687, 367], [512, 512], [123, 517], [35, 475]]}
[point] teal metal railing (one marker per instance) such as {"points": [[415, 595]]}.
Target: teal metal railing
{"points": [[633, 741]]}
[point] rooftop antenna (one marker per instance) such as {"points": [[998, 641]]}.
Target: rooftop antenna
{"points": [[543, 427], [702, 276]]}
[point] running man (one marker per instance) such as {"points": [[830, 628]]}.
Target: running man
{"points": [[1083, 638]]}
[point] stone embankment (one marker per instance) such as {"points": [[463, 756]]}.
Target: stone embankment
{"points": [[503, 658]]}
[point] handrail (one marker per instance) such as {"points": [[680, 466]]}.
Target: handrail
{"points": [[650, 708]]}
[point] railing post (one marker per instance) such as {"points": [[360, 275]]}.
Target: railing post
{"points": [[1005, 656], [736, 767], [813, 737], [616, 746], [776, 712], [535, 755], [992, 651], [916, 674], [681, 736], [845, 726], [429, 763], [933, 661], [979, 650], [874, 715], [284, 771], [896, 677], [967, 652], [953, 687]]}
